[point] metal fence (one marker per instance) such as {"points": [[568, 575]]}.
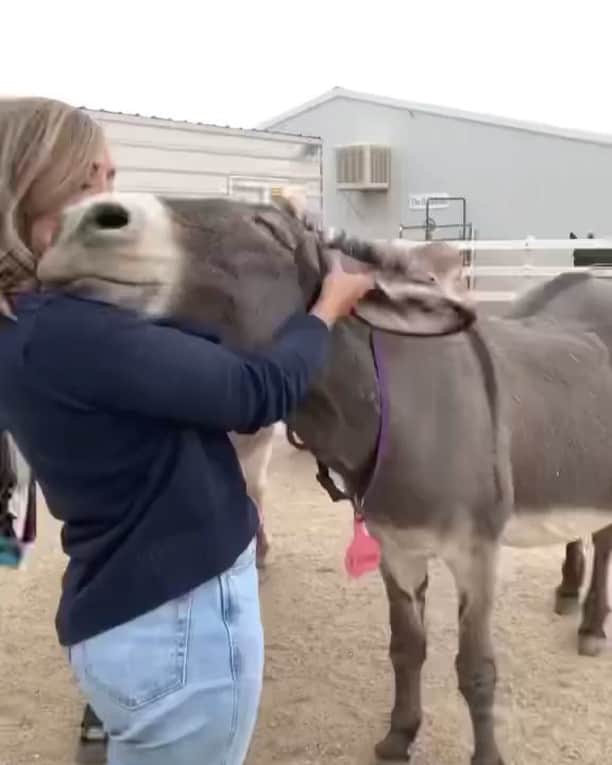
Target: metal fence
{"points": [[496, 271]]}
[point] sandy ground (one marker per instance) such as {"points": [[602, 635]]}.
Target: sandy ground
{"points": [[328, 681]]}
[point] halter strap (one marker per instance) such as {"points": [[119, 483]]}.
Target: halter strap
{"points": [[335, 493]]}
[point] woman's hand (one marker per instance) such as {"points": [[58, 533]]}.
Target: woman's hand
{"points": [[340, 292]]}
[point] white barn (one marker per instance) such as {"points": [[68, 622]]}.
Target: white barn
{"points": [[183, 159]]}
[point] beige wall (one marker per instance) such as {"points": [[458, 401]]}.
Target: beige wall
{"points": [[183, 159]]}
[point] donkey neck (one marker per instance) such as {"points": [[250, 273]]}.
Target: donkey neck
{"points": [[339, 419], [147, 299]]}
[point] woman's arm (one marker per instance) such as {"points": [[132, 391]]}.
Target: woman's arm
{"points": [[104, 357], [107, 358]]}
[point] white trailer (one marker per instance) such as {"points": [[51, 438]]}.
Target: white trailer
{"points": [[183, 159]]}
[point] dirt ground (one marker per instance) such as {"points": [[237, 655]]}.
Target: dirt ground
{"points": [[328, 682]]}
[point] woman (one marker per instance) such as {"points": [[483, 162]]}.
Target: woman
{"points": [[125, 423]]}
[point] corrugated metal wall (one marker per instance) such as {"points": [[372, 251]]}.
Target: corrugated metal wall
{"points": [[516, 182], [190, 160]]}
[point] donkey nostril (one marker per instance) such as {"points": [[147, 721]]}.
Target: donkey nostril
{"points": [[109, 216]]}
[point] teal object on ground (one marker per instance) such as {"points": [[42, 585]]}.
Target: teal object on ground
{"points": [[10, 553]]}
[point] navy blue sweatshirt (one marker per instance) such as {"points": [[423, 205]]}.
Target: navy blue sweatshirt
{"points": [[124, 422]]}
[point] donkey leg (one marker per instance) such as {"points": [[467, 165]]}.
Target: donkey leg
{"points": [[262, 541], [591, 633], [408, 648], [475, 572], [255, 461], [568, 592]]}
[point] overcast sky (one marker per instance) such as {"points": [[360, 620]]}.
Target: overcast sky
{"points": [[240, 62]]}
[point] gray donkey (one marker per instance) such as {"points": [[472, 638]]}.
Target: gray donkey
{"points": [[452, 435]]}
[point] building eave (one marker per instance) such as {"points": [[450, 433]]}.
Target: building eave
{"points": [[602, 139]]}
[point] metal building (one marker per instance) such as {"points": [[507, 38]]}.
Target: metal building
{"points": [[516, 178], [433, 172], [182, 159]]}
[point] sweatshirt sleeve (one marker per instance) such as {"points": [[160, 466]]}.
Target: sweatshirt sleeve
{"points": [[103, 357]]}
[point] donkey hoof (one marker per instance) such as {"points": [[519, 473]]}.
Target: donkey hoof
{"points": [[396, 745], [591, 645], [495, 760], [566, 604]]}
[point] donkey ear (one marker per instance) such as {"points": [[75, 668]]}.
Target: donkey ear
{"points": [[293, 200], [443, 264], [418, 292]]}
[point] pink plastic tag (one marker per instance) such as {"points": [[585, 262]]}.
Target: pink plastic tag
{"points": [[363, 552]]}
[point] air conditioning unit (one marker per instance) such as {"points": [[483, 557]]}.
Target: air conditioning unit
{"points": [[363, 167]]}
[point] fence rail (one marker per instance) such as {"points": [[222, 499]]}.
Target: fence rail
{"points": [[529, 270], [522, 270], [522, 245]]}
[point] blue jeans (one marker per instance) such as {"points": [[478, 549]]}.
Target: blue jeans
{"points": [[181, 685]]}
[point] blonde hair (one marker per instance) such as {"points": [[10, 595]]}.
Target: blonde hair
{"points": [[47, 152]]}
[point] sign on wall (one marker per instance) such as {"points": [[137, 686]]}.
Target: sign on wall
{"points": [[419, 201]]}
